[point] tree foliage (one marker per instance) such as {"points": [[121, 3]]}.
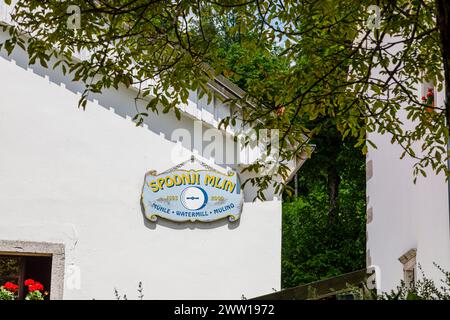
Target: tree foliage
{"points": [[324, 228], [424, 288], [339, 66], [314, 247]]}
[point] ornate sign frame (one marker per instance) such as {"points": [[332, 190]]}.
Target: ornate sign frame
{"points": [[199, 193]]}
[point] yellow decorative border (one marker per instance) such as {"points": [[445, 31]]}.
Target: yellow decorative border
{"points": [[153, 217], [154, 173]]}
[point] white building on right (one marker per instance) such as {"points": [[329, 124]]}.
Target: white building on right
{"points": [[408, 227]]}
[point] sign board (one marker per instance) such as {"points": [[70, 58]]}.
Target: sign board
{"points": [[202, 194]]}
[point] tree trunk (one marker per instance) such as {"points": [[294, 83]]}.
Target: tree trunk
{"points": [[334, 142], [333, 192]]}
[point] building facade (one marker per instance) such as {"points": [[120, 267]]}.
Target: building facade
{"points": [[70, 191], [407, 223]]}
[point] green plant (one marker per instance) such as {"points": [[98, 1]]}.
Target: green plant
{"points": [[8, 291], [320, 243], [333, 50], [35, 290], [35, 295], [423, 289], [140, 291], [6, 294]]}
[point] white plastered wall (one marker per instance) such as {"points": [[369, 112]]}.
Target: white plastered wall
{"points": [[75, 177]]}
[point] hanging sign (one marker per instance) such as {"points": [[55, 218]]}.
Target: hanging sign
{"points": [[202, 194]]}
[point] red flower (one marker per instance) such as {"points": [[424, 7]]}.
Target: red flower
{"points": [[29, 282], [11, 286], [37, 286], [280, 110]]}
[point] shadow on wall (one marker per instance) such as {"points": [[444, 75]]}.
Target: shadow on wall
{"points": [[122, 103]]}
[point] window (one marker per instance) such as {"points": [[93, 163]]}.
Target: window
{"points": [[41, 261], [10, 269], [17, 269], [409, 267]]}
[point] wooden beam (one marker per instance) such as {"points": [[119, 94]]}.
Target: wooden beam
{"points": [[319, 289]]}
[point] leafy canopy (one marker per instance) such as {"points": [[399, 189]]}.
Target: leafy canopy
{"points": [[337, 66]]}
